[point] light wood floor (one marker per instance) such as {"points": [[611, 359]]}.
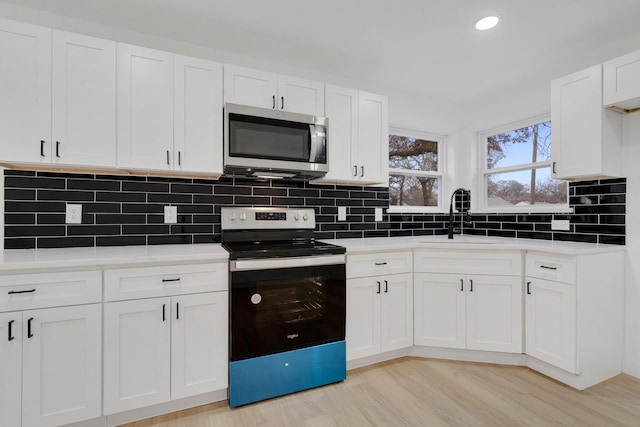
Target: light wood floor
{"points": [[429, 392]]}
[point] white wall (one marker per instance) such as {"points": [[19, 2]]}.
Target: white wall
{"points": [[631, 149]]}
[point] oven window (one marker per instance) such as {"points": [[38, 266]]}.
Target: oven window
{"points": [[294, 302], [263, 138]]}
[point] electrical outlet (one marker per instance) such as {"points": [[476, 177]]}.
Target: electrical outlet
{"points": [[73, 214], [342, 213], [170, 214], [378, 214], [560, 224]]}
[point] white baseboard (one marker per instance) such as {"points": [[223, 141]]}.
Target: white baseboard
{"points": [[383, 357], [631, 368], [516, 359]]}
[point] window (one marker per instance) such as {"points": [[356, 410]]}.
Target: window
{"points": [[517, 169], [415, 173]]}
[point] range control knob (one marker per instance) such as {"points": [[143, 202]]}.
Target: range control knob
{"points": [[305, 217], [243, 217], [296, 216], [233, 216]]}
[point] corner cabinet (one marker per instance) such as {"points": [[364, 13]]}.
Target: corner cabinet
{"points": [[621, 79], [169, 112], [48, 80], [165, 334], [468, 299], [51, 348], [587, 138], [575, 315], [262, 89], [379, 303], [358, 137]]}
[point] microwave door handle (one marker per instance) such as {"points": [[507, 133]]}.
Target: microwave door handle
{"points": [[315, 144]]}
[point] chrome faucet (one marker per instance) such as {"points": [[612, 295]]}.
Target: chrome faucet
{"points": [[463, 211]]}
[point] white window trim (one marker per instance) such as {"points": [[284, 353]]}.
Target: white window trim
{"points": [[481, 204], [439, 174]]}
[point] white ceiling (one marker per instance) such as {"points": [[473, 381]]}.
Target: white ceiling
{"points": [[423, 46]]}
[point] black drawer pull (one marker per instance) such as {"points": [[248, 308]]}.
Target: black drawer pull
{"points": [[548, 268], [381, 263], [386, 287], [528, 288], [170, 280], [29, 334], [21, 292], [378, 291], [273, 101], [282, 102], [11, 337]]}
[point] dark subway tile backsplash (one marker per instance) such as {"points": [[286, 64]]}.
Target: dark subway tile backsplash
{"points": [[129, 210]]}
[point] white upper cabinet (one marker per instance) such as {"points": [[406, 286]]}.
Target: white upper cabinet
{"points": [[258, 88], [587, 138], [57, 97], [169, 112], [621, 79], [145, 108], [198, 116], [358, 136], [25, 93]]}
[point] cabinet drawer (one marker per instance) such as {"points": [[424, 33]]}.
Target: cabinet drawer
{"points": [[375, 264], [145, 282], [558, 268], [40, 290], [500, 263]]}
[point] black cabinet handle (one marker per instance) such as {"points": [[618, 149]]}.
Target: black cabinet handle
{"points": [[11, 337], [553, 167], [42, 148], [168, 157], [461, 285], [355, 170], [21, 292], [386, 287], [177, 311], [528, 288], [273, 101], [381, 263], [378, 291], [179, 159], [361, 171], [548, 268], [29, 334], [164, 317], [58, 149], [170, 280], [470, 285], [282, 102]]}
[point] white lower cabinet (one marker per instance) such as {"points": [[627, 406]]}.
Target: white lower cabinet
{"points": [[551, 322], [476, 312]]}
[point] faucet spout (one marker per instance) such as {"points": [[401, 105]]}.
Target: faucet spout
{"points": [[453, 195]]}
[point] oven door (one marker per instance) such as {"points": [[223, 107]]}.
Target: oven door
{"points": [[284, 304]]}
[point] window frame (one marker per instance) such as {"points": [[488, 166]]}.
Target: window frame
{"points": [[482, 206], [439, 174]]}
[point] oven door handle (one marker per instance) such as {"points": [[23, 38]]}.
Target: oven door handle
{"points": [[273, 263]]}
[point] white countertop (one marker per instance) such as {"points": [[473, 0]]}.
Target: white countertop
{"points": [[378, 244], [116, 256]]}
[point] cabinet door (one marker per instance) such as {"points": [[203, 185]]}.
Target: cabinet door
{"points": [[247, 86], [84, 100], [25, 93], [10, 369], [551, 323], [145, 108], [621, 85], [62, 366], [494, 313], [439, 310], [373, 138], [300, 96], [137, 339], [397, 312], [198, 116], [342, 110], [199, 349], [363, 317]]}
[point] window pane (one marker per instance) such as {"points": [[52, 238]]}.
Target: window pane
{"points": [[412, 153], [410, 190], [525, 188], [520, 146]]}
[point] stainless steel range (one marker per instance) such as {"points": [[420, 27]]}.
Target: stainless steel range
{"points": [[287, 304]]}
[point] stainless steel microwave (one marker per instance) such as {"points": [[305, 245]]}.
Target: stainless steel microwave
{"points": [[261, 142]]}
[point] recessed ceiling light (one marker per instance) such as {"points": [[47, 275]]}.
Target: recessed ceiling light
{"points": [[487, 23]]}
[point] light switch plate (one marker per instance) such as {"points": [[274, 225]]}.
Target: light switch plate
{"points": [[378, 214], [342, 213], [73, 214], [560, 224], [170, 214]]}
